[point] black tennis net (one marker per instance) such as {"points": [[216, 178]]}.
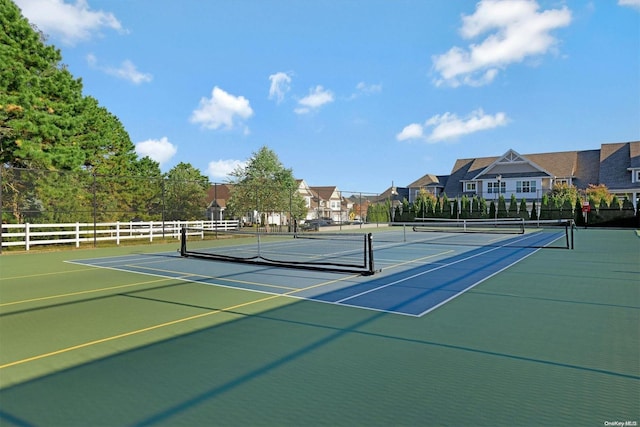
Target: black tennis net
{"points": [[515, 233], [501, 226], [331, 252]]}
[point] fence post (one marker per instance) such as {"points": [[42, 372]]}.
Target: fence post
{"points": [[77, 234], [151, 231], [26, 236], [1, 215], [117, 233]]}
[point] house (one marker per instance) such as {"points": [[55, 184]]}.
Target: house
{"points": [[307, 194], [530, 176], [432, 184], [327, 203], [217, 197]]}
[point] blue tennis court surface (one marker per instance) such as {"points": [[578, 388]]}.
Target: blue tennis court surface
{"points": [[415, 278]]}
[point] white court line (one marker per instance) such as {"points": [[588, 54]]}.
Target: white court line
{"points": [[434, 269]]}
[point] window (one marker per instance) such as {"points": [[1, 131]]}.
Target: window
{"points": [[470, 186], [497, 187], [525, 186], [335, 205], [636, 175]]}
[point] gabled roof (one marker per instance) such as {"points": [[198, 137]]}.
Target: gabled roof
{"points": [[508, 161], [394, 193], [218, 194], [326, 193], [429, 180]]}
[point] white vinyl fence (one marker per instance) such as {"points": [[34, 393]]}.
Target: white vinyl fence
{"points": [[28, 235]]}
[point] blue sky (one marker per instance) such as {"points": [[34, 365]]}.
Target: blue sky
{"points": [[354, 93]]}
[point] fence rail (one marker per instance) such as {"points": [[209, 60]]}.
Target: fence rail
{"points": [[28, 235]]}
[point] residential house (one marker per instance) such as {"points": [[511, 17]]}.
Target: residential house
{"points": [[217, 197], [530, 176], [308, 195], [328, 203], [432, 184]]}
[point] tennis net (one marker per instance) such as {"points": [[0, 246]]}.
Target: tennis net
{"points": [[515, 233], [331, 252], [502, 226]]}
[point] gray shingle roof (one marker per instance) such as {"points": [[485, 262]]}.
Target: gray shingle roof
{"points": [[615, 160], [605, 166]]}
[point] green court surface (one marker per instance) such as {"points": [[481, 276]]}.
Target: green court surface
{"points": [[552, 340]]}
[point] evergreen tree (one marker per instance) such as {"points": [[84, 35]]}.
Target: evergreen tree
{"points": [[39, 99], [534, 211], [578, 214], [476, 211], [545, 208], [492, 210], [437, 209], [502, 207], [567, 209], [446, 207], [185, 193], [465, 211], [513, 207], [483, 208], [523, 213]]}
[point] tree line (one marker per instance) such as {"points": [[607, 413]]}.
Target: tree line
{"points": [[562, 202]]}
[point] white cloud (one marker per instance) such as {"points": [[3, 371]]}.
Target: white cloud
{"points": [[368, 89], [159, 150], [126, 71], [449, 126], [515, 30], [221, 169], [363, 88], [221, 110], [70, 23], [412, 131], [317, 97], [280, 85], [631, 3]]}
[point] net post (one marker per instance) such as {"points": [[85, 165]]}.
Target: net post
{"points": [[369, 251], [571, 226], [183, 241]]}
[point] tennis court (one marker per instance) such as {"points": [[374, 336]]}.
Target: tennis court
{"points": [[143, 336], [415, 272]]}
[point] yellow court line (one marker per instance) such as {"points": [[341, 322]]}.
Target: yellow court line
{"points": [[127, 334], [84, 292], [162, 325], [47, 274]]}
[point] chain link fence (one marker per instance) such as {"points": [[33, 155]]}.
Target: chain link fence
{"points": [[43, 196]]}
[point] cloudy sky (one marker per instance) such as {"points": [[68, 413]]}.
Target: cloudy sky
{"points": [[354, 93]]}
